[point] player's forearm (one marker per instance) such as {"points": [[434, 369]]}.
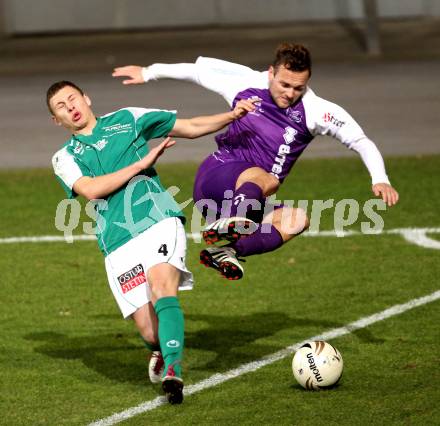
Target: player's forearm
{"points": [[102, 186], [181, 71], [199, 126], [372, 159], [210, 124]]}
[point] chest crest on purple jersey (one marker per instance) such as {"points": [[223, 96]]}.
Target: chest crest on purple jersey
{"points": [[294, 115], [258, 102]]}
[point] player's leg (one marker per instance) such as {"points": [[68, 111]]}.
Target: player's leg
{"points": [[145, 320], [214, 186], [288, 221], [277, 227], [164, 280], [166, 274], [252, 186], [213, 189], [226, 259], [267, 184], [126, 277], [237, 190], [127, 269]]}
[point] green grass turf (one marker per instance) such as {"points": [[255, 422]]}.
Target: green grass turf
{"points": [[68, 358]]}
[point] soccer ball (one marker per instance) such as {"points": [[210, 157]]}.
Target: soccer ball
{"points": [[317, 365]]}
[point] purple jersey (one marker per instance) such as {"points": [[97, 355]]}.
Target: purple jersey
{"points": [[270, 137]]}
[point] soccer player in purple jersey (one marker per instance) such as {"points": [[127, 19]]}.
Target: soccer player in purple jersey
{"points": [[257, 152]]}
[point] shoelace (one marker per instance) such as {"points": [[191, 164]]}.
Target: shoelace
{"points": [[170, 370]]}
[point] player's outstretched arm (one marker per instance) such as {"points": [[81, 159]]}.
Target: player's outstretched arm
{"points": [[199, 126], [138, 75], [388, 194], [93, 188], [328, 118], [222, 77]]}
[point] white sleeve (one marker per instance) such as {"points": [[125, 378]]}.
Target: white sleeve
{"points": [[66, 168], [327, 118], [222, 77], [372, 159], [175, 71]]}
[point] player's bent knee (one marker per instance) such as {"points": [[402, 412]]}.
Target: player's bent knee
{"points": [[293, 222], [272, 185], [267, 182], [164, 280]]}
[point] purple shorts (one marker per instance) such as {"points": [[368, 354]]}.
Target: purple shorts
{"points": [[214, 177]]}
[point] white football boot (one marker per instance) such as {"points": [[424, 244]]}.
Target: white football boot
{"points": [[224, 260], [155, 367]]}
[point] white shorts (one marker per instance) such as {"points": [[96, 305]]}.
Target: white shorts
{"points": [[127, 267]]}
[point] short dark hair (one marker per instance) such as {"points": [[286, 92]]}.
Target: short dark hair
{"points": [[294, 57], [56, 87]]}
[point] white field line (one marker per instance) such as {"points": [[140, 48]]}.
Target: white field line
{"points": [[219, 378], [45, 239], [413, 235]]}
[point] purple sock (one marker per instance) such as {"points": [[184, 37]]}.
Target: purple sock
{"points": [[243, 196], [258, 242]]}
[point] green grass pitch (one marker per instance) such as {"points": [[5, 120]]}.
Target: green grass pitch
{"points": [[67, 357]]}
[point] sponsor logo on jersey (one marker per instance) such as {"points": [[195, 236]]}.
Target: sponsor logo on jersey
{"points": [[132, 278], [328, 117], [117, 127], [284, 149]]}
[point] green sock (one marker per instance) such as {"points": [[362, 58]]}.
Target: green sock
{"points": [[151, 346], [171, 332]]}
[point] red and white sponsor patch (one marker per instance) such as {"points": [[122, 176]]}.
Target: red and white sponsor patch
{"points": [[328, 117], [132, 278]]}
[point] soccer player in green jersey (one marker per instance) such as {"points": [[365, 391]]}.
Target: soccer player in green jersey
{"points": [[139, 225]]}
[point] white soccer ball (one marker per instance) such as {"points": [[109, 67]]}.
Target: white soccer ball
{"points": [[317, 365]]}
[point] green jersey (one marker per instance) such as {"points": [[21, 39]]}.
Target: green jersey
{"points": [[118, 140]]}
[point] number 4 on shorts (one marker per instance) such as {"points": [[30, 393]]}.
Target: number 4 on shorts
{"points": [[163, 249]]}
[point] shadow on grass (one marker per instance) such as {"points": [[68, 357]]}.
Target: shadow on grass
{"points": [[234, 340], [111, 355]]}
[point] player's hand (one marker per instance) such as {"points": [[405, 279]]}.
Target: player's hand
{"points": [[133, 72], [386, 192], [243, 106], [155, 153]]}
